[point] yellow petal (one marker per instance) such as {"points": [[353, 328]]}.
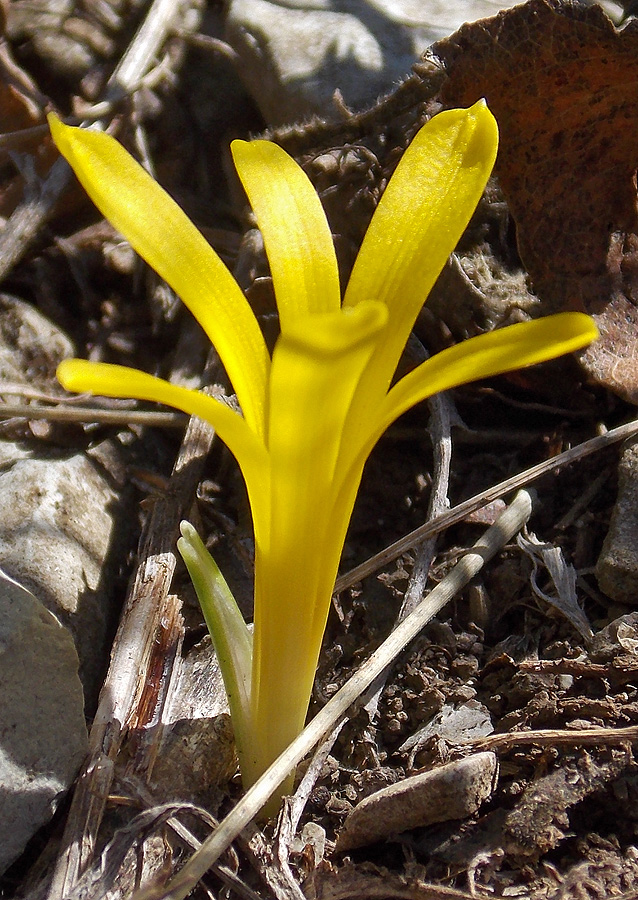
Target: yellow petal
{"points": [[165, 237], [293, 224], [119, 381], [421, 216], [494, 353], [315, 370]]}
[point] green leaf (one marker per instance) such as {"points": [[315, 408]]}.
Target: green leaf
{"points": [[230, 635]]}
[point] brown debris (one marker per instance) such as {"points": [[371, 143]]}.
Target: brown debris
{"points": [[555, 75], [369, 882], [540, 821]]}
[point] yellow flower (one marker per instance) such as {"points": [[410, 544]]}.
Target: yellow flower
{"points": [[311, 414]]}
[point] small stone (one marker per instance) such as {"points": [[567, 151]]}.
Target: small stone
{"points": [[452, 791], [43, 736], [617, 566], [620, 636]]}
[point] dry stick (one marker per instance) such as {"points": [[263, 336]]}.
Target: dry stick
{"points": [[30, 216], [441, 408], [94, 415], [551, 737], [144, 48], [508, 523], [442, 415], [458, 513], [294, 806], [298, 801], [277, 876]]}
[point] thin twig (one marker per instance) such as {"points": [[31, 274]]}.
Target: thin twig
{"points": [[440, 428], [300, 798], [142, 52], [294, 806], [458, 513], [508, 523], [550, 737], [441, 410], [93, 415]]}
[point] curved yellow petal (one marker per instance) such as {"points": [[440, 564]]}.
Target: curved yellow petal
{"points": [[119, 381], [486, 355], [293, 224], [315, 370], [422, 214], [165, 237]]}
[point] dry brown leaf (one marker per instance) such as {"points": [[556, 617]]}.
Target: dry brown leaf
{"points": [[561, 81]]}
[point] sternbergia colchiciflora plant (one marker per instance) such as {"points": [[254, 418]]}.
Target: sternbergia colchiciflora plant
{"points": [[312, 412]]}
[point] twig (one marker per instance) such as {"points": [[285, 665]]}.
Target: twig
{"points": [[441, 410], [458, 513], [278, 879], [26, 221], [298, 801], [93, 415], [141, 54], [508, 523], [294, 806], [550, 737], [440, 428]]}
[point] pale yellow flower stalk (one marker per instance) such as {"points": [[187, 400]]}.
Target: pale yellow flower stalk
{"points": [[312, 413]]}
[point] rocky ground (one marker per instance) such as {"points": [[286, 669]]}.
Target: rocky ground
{"points": [[494, 758]]}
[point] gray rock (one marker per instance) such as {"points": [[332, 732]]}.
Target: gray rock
{"points": [[59, 513], [617, 566], [62, 516], [57, 522], [31, 346], [452, 791], [43, 736], [293, 56]]}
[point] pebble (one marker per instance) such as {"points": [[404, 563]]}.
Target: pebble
{"points": [[617, 565], [451, 791]]}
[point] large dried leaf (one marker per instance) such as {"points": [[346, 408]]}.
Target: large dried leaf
{"points": [[561, 80]]}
